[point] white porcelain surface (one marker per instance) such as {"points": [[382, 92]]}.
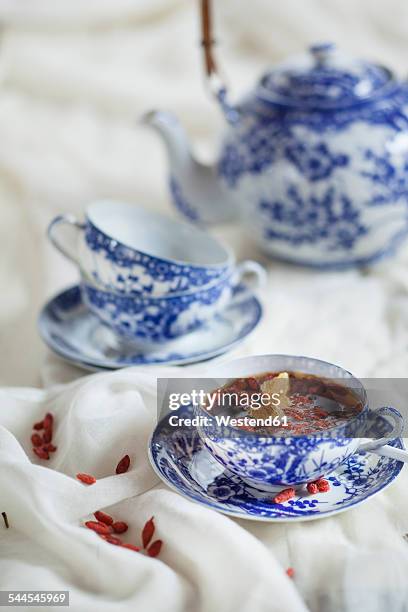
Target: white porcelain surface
{"points": [[129, 249]]}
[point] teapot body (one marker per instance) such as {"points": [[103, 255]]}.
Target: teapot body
{"points": [[326, 187]]}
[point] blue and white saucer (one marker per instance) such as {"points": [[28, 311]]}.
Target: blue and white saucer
{"points": [[76, 334], [180, 459]]}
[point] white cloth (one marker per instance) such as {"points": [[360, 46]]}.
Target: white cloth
{"points": [[74, 77], [355, 561], [207, 562]]}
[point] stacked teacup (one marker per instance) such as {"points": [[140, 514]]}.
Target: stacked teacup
{"points": [[149, 277]]}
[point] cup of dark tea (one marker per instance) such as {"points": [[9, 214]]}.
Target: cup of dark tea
{"points": [[316, 417]]}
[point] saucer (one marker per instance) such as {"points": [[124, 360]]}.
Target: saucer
{"points": [[76, 334], [181, 460]]}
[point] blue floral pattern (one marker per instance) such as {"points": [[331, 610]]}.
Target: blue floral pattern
{"points": [[181, 202], [283, 460], [131, 271], [324, 84], [330, 219], [390, 181], [175, 455], [312, 170], [315, 162], [72, 331], [156, 319], [256, 150]]}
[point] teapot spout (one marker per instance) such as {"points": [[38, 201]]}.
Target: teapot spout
{"points": [[195, 187]]}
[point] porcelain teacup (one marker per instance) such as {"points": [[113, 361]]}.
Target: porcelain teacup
{"points": [[267, 461], [147, 318], [129, 250]]}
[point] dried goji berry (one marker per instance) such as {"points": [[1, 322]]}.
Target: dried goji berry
{"points": [[100, 528], [252, 384], [131, 547], [284, 495], [103, 517], [47, 436], [240, 384], [312, 488], [119, 527], [86, 478], [246, 427], [50, 448], [41, 453], [48, 420], [38, 426], [123, 465], [290, 572], [323, 485], [155, 548], [148, 531], [111, 539], [319, 413], [36, 439]]}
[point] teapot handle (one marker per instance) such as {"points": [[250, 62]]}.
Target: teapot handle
{"points": [[216, 85]]}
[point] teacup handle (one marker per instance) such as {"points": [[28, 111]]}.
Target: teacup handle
{"points": [[68, 251], [398, 425], [251, 273]]}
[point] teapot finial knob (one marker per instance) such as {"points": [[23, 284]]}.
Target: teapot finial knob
{"points": [[322, 52]]}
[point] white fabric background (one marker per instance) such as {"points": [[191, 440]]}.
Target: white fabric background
{"points": [[74, 77]]}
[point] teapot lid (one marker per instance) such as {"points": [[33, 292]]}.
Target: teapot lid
{"points": [[324, 78]]}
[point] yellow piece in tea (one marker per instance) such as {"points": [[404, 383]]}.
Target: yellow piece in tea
{"points": [[276, 386]]}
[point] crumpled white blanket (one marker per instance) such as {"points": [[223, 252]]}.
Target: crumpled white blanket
{"points": [[355, 561], [207, 562]]}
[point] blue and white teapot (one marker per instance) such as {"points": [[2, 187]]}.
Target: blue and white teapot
{"points": [[315, 161]]}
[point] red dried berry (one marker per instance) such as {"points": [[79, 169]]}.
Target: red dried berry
{"points": [[284, 495], [86, 478], [246, 427], [48, 420], [112, 540], [312, 488], [148, 531], [47, 436], [50, 448], [123, 465], [253, 384], [102, 517], [38, 426], [323, 485], [119, 527], [290, 572], [41, 453], [155, 548], [238, 385], [100, 528], [131, 547], [36, 439], [320, 414]]}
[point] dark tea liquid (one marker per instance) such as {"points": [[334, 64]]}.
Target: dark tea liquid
{"points": [[312, 403]]}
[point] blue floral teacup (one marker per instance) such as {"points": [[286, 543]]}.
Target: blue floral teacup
{"points": [[130, 250], [153, 319], [267, 461]]}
